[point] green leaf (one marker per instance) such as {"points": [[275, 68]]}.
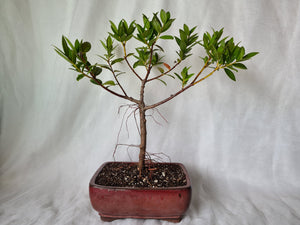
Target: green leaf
{"points": [[110, 83], [130, 54], [79, 77], [182, 46], [77, 45], [103, 44], [160, 48], [70, 43], [109, 42], [65, 46], [162, 82], [186, 29], [249, 55], [146, 22], [105, 66], [72, 56], [120, 73], [177, 75], [163, 16], [240, 66], [241, 53], [58, 51], [121, 28], [96, 70], [167, 25], [95, 82], [113, 27], [178, 41], [117, 60], [192, 30], [86, 46], [125, 26], [160, 69], [232, 68], [137, 63], [230, 74], [183, 35], [156, 25], [166, 37], [170, 76]]}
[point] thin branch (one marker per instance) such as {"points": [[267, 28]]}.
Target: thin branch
{"points": [[167, 99], [208, 75], [131, 68], [113, 72], [150, 61], [112, 92], [182, 90], [157, 77], [101, 85], [203, 68]]}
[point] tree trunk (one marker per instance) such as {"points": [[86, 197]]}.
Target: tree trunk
{"points": [[143, 131]]}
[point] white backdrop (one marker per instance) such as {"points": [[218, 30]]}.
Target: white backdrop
{"points": [[239, 140]]}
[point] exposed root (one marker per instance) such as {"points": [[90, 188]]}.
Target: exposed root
{"points": [[131, 111], [155, 110], [128, 146]]}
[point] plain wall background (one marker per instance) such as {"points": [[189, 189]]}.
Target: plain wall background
{"points": [[238, 140]]}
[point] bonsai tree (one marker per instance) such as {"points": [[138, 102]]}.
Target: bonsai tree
{"points": [[221, 53]]}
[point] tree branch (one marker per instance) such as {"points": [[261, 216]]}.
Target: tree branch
{"points": [[157, 77], [112, 92], [101, 85], [203, 68], [125, 57], [183, 89], [113, 72], [150, 61]]}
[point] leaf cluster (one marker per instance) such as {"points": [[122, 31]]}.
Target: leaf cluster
{"points": [[184, 76], [123, 32], [224, 52], [150, 30], [109, 56], [186, 41], [75, 54]]}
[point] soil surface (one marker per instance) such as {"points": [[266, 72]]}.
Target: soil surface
{"points": [[155, 175]]}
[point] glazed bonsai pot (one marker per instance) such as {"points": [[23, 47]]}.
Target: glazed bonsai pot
{"points": [[165, 203]]}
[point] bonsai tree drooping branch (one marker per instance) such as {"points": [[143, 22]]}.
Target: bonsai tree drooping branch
{"points": [[221, 53]]}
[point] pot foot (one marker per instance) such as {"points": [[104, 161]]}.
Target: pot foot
{"points": [[107, 219], [110, 219], [174, 220]]}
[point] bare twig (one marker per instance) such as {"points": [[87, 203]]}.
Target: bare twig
{"points": [[162, 74], [131, 68], [113, 72]]}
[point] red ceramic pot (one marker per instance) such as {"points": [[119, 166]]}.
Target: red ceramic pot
{"points": [[143, 203]]}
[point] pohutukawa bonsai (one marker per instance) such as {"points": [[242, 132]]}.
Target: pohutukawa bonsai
{"points": [[220, 54]]}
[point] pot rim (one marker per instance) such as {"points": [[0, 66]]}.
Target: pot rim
{"points": [[187, 186]]}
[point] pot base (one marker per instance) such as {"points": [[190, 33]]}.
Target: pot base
{"points": [[105, 218]]}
